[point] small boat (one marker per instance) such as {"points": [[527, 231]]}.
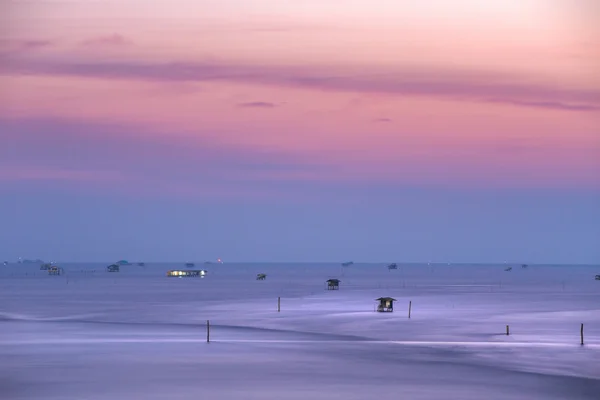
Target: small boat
{"points": [[347, 263], [508, 269], [598, 277], [392, 266], [261, 277]]}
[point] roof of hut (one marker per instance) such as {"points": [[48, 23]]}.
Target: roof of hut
{"points": [[333, 281], [386, 299]]}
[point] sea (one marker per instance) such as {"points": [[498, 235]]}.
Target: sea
{"points": [[475, 331]]}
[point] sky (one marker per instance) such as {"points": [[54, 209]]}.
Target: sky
{"points": [[314, 130]]}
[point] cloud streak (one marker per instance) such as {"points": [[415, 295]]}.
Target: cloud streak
{"points": [[109, 40], [257, 104], [16, 172], [105, 151], [474, 86], [15, 47]]}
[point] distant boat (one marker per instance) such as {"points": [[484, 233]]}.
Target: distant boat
{"points": [[123, 262], [261, 277], [597, 277], [21, 261], [508, 269], [347, 263], [392, 266], [190, 265]]}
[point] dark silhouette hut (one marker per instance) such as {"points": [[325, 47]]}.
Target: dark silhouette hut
{"points": [[261, 277], [113, 268], [333, 284], [386, 304]]}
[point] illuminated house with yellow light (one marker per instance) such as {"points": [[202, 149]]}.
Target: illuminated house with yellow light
{"points": [[190, 273]]}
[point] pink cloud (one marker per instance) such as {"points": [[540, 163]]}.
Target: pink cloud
{"points": [[34, 173], [14, 47], [257, 104], [109, 40], [476, 86]]}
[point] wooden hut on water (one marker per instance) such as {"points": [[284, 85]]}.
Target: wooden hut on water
{"points": [[54, 270], [189, 273], [333, 284], [386, 304], [113, 268]]}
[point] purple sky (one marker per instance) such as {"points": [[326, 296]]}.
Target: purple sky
{"points": [[255, 130]]}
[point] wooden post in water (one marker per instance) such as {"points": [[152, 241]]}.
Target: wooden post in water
{"points": [[507, 330], [581, 334], [207, 331], [279, 304], [409, 308]]}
